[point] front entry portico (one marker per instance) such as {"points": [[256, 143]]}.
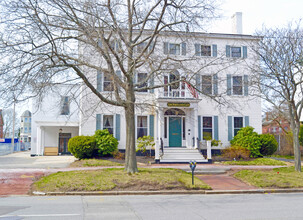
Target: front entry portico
{"points": [[175, 136]]}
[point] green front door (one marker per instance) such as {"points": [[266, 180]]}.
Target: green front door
{"points": [[175, 138]]}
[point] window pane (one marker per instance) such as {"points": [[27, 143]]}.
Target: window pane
{"points": [[238, 122], [235, 51], [108, 123], [205, 51], [207, 122], [142, 121], [207, 134], [65, 105], [141, 132]]}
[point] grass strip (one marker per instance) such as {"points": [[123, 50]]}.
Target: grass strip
{"points": [[118, 179], [257, 162], [94, 163], [285, 177]]}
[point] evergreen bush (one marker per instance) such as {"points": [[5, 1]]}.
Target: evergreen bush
{"points": [[247, 138], [269, 144], [82, 146], [106, 144]]}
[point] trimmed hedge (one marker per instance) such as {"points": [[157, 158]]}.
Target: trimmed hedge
{"points": [[82, 146]]}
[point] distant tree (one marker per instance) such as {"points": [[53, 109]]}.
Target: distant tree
{"points": [[8, 115], [280, 75]]}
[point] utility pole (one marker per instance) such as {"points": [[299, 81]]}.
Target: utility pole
{"points": [[13, 135]]}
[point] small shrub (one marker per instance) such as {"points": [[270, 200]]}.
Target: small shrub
{"points": [[81, 146], [145, 142], [215, 142], [247, 138], [106, 144], [269, 144], [118, 155], [236, 152]]}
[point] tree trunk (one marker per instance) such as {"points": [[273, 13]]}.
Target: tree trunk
{"points": [[296, 145], [130, 151]]}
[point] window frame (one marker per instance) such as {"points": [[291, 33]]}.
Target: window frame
{"points": [[147, 125], [110, 83], [207, 84], [233, 86], [207, 128], [171, 49], [146, 84]]}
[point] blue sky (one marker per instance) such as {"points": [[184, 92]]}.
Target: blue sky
{"points": [[271, 13]]}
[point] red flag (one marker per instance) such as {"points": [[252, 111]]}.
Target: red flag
{"points": [[192, 90]]}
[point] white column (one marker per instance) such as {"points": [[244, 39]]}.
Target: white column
{"points": [[208, 144], [195, 125], [38, 144], [159, 133]]}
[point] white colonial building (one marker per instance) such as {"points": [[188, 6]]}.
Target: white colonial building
{"points": [[179, 119]]}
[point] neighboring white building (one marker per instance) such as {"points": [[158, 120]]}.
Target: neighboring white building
{"points": [[26, 127], [55, 120], [172, 115]]}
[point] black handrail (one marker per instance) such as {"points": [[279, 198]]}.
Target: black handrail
{"points": [[161, 148], [193, 142]]}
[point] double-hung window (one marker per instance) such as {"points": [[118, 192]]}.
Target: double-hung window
{"points": [[108, 84], [238, 124], [142, 126], [237, 87], [141, 78], [235, 51], [174, 49], [207, 84], [207, 128], [108, 123], [205, 51], [64, 105]]}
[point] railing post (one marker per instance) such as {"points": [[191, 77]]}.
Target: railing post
{"points": [[157, 151], [208, 144]]}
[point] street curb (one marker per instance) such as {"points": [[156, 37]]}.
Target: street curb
{"points": [[179, 192]]}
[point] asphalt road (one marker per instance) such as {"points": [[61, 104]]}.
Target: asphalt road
{"points": [[189, 207]]}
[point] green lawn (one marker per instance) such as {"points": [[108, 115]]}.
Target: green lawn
{"points": [[285, 177], [258, 161], [117, 179], [94, 163], [283, 156]]}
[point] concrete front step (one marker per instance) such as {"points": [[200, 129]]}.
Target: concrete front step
{"points": [[182, 155], [182, 160]]}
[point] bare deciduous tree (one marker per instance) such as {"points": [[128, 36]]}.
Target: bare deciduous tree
{"points": [[281, 76], [41, 41]]}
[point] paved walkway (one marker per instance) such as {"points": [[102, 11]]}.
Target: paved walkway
{"points": [[224, 182]]}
